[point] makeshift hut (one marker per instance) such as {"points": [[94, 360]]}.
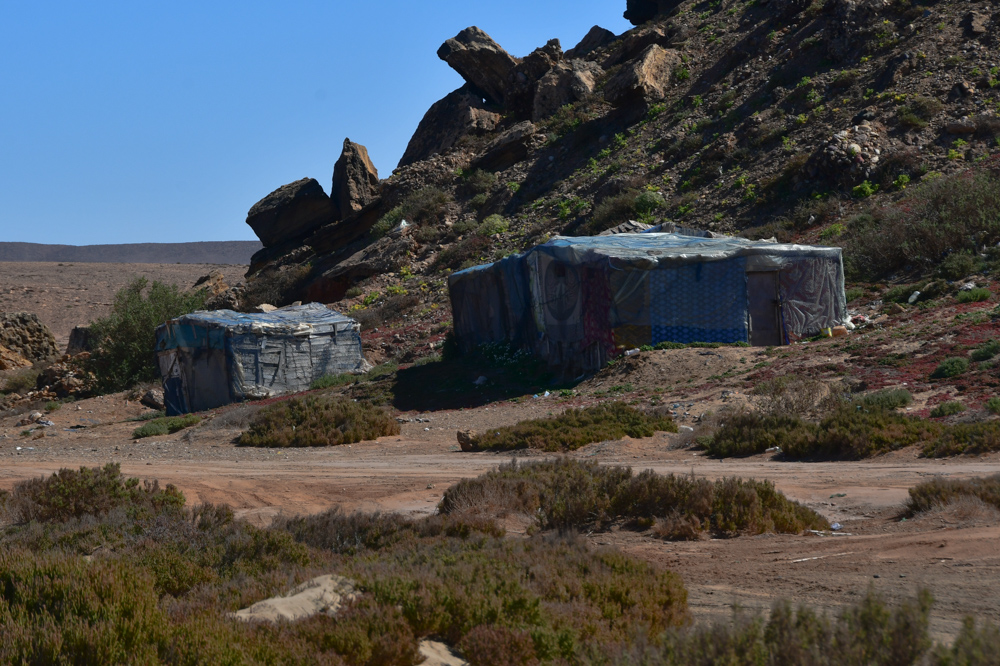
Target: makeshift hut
{"points": [[208, 359], [577, 302]]}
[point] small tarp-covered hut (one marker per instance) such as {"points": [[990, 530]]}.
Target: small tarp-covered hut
{"points": [[209, 359], [576, 302]]}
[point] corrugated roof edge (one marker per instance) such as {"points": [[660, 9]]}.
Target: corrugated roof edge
{"points": [[292, 316]]}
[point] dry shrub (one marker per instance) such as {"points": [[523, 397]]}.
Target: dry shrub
{"points": [[567, 494], [498, 646], [237, 417], [93, 491], [345, 533], [965, 439], [391, 309], [467, 252], [575, 428], [372, 634], [319, 420], [941, 492]]}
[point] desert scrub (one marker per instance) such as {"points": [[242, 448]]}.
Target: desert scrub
{"points": [[850, 431], [950, 367], [965, 438], [575, 428], [985, 351], [949, 408], [318, 421], [940, 492], [92, 491], [168, 425], [21, 382], [977, 295], [565, 494]]}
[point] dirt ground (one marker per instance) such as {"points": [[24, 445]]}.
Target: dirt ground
{"points": [[64, 295], [953, 553]]}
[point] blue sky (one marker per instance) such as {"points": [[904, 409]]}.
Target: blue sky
{"points": [[127, 122]]}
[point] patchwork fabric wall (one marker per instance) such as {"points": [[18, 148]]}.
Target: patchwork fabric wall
{"points": [[704, 302]]}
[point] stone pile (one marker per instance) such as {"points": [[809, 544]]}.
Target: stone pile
{"points": [[852, 153], [24, 334]]}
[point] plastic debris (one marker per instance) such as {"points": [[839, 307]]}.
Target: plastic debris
{"points": [[632, 352], [685, 428], [482, 380], [914, 297], [836, 527], [838, 495], [773, 449]]}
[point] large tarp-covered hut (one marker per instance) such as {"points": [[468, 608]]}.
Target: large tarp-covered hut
{"points": [[576, 302], [209, 359]]}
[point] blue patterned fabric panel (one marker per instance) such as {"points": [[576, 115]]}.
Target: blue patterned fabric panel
{"points": [[704, 302]]}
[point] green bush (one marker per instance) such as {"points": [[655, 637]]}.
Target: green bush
{"points": [[318, 420], [90, 491], [957, 265], [574, 428], [492, 225], [965, 439], [941, 217], [886, 399], [977, 295], [387, 222], [478, 181], [21, 381], [165, 426], [993, 405], [629, 205], [331, 381], [985, 351], [571, 494], [124, 341], [950, 367], [947, 409]]}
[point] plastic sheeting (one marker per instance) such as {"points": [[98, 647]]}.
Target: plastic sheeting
{"points": [[209, 359], [576, 302]]}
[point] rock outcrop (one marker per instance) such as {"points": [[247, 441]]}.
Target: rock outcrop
{"points": [[355, 179], [79, 341], [638, 12], [565, 83], [596, 38], [481, 62], [11, 360], [851, 154], [291, 211], [509, 148], [645, 78], [520, 90], [24, 334], [447, 122]]}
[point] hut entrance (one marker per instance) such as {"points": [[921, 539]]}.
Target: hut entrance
{"points": [[764, 309]]}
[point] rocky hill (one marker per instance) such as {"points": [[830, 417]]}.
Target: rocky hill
{"points": [[207, 252], [862, 123]]}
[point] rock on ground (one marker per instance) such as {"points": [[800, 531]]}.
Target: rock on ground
{"points": [[291, 211], [644, 78], [323, 594], [565, 83], [593, 40]]}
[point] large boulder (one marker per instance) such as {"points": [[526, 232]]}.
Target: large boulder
{"points": [[24, 334], [596, 38], [511, 147], [80, 340], [459, 114], [291, 211], [520, 92], [565, 83], [481, 62], [646, 77], [355, 179]]}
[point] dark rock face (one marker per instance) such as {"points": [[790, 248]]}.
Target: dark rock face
{"points": [[79, 340], [24, 333], [291, 211], [644, 78], [481, 62], [355, 179], [509, 148], [446, 122], [565, 83], [520, 91], [638, 12], [593, 40]]}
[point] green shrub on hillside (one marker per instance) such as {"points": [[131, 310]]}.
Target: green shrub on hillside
{"points": [[940, 492], [318, 420], [575, 428], [993, 405], [977, 295], [965, 439], [159, 427], [941, 217], [124, 341], [947, 409], [985, 351], [950, 367]]}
